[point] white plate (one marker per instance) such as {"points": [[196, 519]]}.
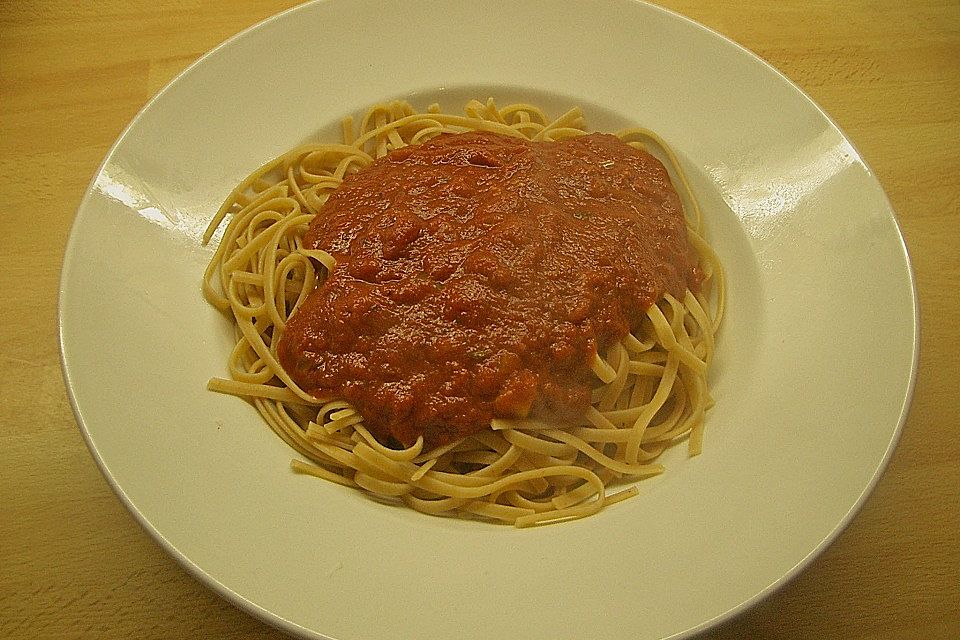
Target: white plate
{"points": [[814, 373]]}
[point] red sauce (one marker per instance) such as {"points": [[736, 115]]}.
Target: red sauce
{"points": [[476, 276]]}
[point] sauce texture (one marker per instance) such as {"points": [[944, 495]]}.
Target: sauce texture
{"points": [[478, 274]]}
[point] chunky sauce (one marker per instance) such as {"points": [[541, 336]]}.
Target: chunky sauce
{"points": [[476, 276]]}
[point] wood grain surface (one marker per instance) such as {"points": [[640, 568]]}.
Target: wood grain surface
{"points": [[75, 564]]}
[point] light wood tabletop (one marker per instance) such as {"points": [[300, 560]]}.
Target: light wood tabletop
{"points": [[75, 564]]}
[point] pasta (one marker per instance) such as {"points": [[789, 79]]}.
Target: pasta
{"points": [[651, 385]]}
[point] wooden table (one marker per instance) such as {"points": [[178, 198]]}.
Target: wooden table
{"points": [[74, 563]]}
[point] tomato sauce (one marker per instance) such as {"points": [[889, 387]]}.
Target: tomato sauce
{"points": [[478, 274]]}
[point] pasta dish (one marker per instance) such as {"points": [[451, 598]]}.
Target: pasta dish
{"points": [[495, 315]]}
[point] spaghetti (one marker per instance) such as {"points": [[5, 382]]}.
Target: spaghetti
{"points": [[650, 385]]}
